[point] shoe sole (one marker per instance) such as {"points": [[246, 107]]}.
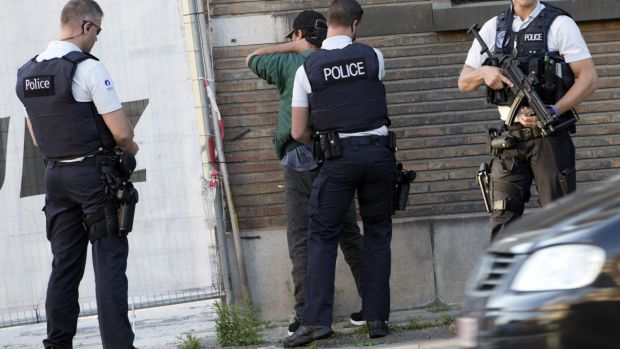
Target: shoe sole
{"points": [[358, 323], [377, 336]]}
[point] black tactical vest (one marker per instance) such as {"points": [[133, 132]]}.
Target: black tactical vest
{"points": [[63, 127], [529, 47], [347, 95]]}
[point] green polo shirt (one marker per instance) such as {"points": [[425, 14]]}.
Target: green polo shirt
{"points": [[279, 69]]}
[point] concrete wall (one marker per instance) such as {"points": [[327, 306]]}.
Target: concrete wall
{"points": [[431, 259], [172, 245]]}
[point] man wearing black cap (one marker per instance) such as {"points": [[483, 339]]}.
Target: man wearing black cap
{"points": [[277, 65]]}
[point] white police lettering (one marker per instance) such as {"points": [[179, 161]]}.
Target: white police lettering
{"points": [[37, 84], [533, 37], [344, 71]]}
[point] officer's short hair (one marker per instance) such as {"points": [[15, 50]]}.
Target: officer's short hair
{"points": [[344, 12], [76, 11]]}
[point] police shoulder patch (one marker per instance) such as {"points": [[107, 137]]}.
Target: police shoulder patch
{"points": [[39, 86]]}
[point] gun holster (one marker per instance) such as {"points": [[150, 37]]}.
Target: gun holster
{"points": [[402, 187], [483, 180], [116, 171]]}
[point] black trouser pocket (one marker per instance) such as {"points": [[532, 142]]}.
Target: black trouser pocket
{"points": [[568, 180], [103, 223]]}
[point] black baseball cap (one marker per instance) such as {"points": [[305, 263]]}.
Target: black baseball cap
{"points": [[308, 19]]}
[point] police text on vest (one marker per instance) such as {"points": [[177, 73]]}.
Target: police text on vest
{"points": [[36, 84], [533, 37], [39, 86], [344, 70]]}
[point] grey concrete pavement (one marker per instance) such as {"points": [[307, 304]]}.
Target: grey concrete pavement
{"points": [[156, 328], [163, 327]]}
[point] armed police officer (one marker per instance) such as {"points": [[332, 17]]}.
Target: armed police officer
{"points": [[277, 65], [75, 119], [339, 90], [549, 49]]}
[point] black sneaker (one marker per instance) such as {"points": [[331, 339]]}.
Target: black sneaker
{"points": [[293, 326], [357, 319]]}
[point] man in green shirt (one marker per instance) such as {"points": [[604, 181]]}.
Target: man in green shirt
{"points": [[277, 65]]}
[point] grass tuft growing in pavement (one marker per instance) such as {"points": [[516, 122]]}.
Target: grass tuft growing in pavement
{"points": [[415, 324], [237, 324], [189, 342], [438, 307]]}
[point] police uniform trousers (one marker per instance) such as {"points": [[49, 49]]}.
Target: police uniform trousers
{"points": [[297, 188], [368, 169], [549, 161], [74, 191]]}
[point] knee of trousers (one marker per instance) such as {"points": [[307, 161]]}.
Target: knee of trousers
{"points": [[377, 219]]}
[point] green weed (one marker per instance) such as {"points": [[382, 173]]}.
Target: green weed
{"points": [[237, 324], [189, 342]]}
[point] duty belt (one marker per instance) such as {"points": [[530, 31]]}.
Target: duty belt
{"points": [[364, 140], [525, 134]]}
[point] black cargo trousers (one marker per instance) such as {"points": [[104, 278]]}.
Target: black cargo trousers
{"points": [[548, 161], [367, 169], [298, 187], [75, 193]]}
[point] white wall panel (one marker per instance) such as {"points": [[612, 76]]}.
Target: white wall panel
{"points": [[142, 45]]}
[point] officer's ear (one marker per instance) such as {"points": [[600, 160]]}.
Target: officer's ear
{"points": [[355, 25]]}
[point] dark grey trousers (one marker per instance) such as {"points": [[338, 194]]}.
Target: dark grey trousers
{"points": [[548, 161], [297, 188]]}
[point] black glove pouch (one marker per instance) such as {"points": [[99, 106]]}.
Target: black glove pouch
{"points": [[330, 145]]}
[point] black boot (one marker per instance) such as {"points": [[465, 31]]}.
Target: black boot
{"points": [[377, 329]]}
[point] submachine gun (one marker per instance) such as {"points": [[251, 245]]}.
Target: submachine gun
{"points": [[524, 91]]}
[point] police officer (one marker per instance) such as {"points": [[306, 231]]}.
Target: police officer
{"points": [[75, 116], [535, 34], [277, 65], [340, 91]]}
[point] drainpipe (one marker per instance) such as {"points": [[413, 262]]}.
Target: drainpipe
{"points": [[201, 41], [197, 66], [216, 120]]}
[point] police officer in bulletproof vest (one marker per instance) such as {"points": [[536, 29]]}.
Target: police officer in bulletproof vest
{"points": [[551, 52], [76, 120], [339, 91]]}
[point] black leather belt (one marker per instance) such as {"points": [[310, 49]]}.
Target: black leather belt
{"points": [[364, 140]]}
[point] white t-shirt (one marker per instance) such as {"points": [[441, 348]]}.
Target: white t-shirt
{"points": [[563, 36], [91, 82], [302, 88]]}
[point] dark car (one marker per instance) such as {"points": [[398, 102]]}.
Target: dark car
{"points": [[551, 280]]}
